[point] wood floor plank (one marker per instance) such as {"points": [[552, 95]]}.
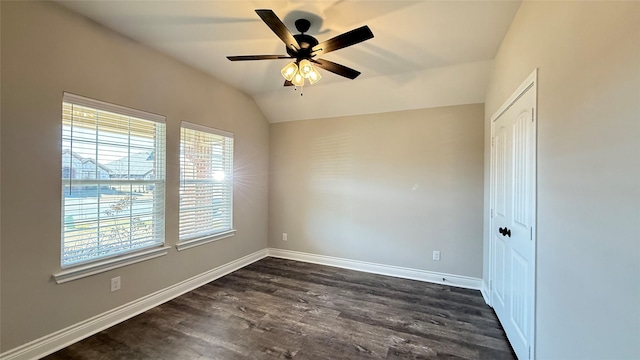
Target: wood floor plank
{"points": [[283, 309]]}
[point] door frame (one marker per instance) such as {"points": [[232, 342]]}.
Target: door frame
{"points": [[531, 84]]}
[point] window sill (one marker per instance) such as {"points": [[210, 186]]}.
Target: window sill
{"points": [[97, 267], [204, 240]]}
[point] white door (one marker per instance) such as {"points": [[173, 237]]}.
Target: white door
{"points": [[513, 217]]}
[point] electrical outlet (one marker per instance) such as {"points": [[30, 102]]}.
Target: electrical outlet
{"points": [[284, 236], [436, 255], [115, 284]]}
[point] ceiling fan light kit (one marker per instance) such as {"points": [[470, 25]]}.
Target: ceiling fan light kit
{"points": [[297, 73], [304, 49]]}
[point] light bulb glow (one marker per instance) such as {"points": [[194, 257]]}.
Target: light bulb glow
{"points": [[305, 68], [298, 79], [289, 71], [314, 76]]}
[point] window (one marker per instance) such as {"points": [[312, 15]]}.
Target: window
{"points": [[113, 180], [206, 185]]}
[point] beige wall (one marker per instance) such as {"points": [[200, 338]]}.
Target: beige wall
{"points": [[588, 276], [47, 50], [386, 188]]}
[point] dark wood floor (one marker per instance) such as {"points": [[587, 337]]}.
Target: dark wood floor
{"points": [[282, 309]]}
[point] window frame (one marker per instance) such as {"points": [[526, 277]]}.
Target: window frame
{"points": [[204, 237], [75, 270]]}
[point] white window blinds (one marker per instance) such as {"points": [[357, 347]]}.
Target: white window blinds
{"points": [[206, 182], [113, 180]]}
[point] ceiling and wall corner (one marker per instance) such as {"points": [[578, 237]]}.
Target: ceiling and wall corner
{"points": [[587, 54], [424, 53]]}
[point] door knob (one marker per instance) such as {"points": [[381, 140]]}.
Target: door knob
{"points": [[504, 231]]}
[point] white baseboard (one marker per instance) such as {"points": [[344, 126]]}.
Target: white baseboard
{"points": [[62, 338], [74, 333], [389, 270], [484, 290]]}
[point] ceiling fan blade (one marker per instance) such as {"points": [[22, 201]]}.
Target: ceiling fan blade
{"points": [[288, 83], [341, 41], [258, 57], [336, 68], [277, 26]]}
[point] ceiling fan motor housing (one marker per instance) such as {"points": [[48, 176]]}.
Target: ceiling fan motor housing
{"points": [[306, 43]]}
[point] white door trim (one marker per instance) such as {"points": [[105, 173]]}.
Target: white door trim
{"points": [[530, 83]]}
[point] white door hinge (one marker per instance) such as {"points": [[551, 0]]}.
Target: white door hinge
{"points": [[532, 117], [492, 141], [491, 212], [529, 352], [531, 233]]}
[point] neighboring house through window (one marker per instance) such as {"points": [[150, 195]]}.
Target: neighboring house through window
{"points": [[206, 185], [75, 166], [113, 180]]}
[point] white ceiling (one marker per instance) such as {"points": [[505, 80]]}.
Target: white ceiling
{"points": [[424, 53]]}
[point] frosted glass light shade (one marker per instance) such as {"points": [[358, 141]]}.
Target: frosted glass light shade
{"points": [[314, 76], [289, 71], [305, 68]]}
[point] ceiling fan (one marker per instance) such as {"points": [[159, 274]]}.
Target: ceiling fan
{"points": [[304, 49]]}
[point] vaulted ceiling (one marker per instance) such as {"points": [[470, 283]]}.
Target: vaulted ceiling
{"points": [[424, 53]]}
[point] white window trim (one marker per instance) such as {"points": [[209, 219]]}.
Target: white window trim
{"points": [[100, 266], [206, 129], [188, 244], [77, 271], [105, 106]]}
